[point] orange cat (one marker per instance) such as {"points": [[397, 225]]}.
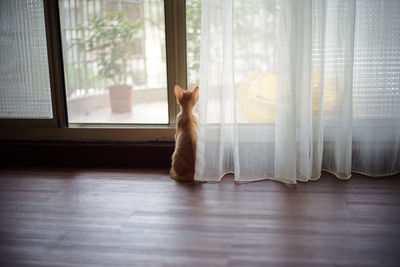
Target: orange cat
{"points": [[184, 156]]}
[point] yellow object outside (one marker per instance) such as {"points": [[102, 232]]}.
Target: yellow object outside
{"points": [[257, 96]]}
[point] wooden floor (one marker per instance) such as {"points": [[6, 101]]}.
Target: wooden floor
{"points": [[81, 216]]}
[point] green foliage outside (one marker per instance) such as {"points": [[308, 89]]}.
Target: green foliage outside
{"points": [[193, 15], [109, 40], [77, 77]]}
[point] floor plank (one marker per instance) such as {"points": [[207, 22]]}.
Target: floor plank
{"points": [[81, 216]]}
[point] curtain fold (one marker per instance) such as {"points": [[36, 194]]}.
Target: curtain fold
{"points": [[291, 88]]}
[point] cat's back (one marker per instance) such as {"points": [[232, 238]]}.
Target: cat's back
{"points": [[186, 137], [183, 159]]}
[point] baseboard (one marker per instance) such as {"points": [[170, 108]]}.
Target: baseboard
{"points": [[149, 154]]}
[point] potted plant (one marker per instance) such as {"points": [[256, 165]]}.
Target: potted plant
{"points": [[109, 39]]}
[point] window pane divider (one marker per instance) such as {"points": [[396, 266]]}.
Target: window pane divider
{"points": [[56, 66], [175, 27]]}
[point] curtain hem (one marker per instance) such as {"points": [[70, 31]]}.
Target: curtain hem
{"points": [[285, 181]]}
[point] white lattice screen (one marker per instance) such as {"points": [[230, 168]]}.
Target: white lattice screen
{"points": [[377, 59], [24, 72]]}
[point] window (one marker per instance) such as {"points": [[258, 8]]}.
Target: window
{"points": [[254, 67], [56, 71], [24, 73], [376, 65], [193, 37], [375, 73], [56, 82], [114, 61]]}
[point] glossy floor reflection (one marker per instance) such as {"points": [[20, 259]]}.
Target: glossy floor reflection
{"points": [[81, 216]]}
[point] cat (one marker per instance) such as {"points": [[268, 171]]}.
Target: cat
{"points": [[184, 156]]}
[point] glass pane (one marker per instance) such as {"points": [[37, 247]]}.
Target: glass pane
{"points": [[254, 60], [24, 72], [193, 27], [376, 78], [114, 61]]}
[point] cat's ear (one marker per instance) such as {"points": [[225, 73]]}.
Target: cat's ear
{"points": [[178, 92], [195, 94]]}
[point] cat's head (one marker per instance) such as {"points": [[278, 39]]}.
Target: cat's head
{"points": [[186, 98]]}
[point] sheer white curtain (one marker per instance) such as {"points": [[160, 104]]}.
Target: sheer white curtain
{"points": [[291, 88]]}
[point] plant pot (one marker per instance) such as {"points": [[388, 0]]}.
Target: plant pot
{"points": [[120, 98]]}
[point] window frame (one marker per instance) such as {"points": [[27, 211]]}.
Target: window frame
{"points": [[58, 128]]}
